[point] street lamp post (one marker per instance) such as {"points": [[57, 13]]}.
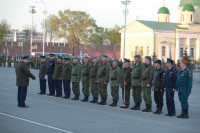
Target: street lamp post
{"points": [[32, 11]]}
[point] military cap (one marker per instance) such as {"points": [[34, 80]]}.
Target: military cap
{"points": [[42, 57], [59, 57], [137, 56], [86, 57], [95, 57], [114, 60], [75, 57], [126, 60], [51, 54], [184, 61], [170, 61], [148, 57], [105, 56], [158, 61], [25, 57], [67, 59]]}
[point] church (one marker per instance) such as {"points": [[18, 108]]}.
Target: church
{"points": [[164, 38]]}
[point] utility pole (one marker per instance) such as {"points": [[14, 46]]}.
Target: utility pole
{"points": [[32, 11]]}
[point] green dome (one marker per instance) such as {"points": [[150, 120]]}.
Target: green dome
{"points": [[163, 10], [188, 7], [192, 2]]}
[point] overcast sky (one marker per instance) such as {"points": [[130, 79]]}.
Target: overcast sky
{"points": [[107, 13]]}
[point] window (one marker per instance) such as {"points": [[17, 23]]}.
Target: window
{"points": [[166, 19], [163, 51], [192, 52], [191, 18], [148, 50], [181, 52]]}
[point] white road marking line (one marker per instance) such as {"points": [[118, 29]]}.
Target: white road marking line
{"points": [[37, 123]]}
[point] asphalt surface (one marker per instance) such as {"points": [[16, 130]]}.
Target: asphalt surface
{"points": [[55, 115]]}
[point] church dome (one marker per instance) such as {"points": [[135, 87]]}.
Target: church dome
{"points": [[192, 2], [163, 10], [188, 7]]}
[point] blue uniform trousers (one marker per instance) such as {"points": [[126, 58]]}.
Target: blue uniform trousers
{"points": [[21, 96], [51, 84], [58, 86], [183, 98], [42, 86], [170, 101], [67, 89]]}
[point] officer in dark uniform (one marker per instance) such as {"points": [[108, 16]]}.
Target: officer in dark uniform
{"points": [[66, 77], [126, 83], [42, 73], [169, 87], [184, 87], [57, 76], [22, 75], [49, 72]]}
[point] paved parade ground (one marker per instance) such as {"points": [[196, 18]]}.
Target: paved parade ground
{"points": [[56, 115]]}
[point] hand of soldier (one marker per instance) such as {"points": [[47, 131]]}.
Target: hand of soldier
{"points": [[34, 78], [105, 83], [125, 83], [138, 83], [165, 89], [96, 81], [148, 85], [60, 78], [173, 90]]}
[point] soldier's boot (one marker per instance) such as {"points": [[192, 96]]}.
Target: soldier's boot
{"points": [[103, 102], [114, 103], [179, 116], [144, 110], [133, 108], [158, 111], [185, 114], [85, 99], [75, 98], [148, 108], [95, 99], [124, 106], [111, 104], [136, 107]]}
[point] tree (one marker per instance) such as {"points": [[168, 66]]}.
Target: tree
{"points": [[76, 27], [115, 36], [188, 58], [4, 29]]}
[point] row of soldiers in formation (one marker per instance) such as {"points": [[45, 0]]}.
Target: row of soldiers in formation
{"points": [[143, 78]]}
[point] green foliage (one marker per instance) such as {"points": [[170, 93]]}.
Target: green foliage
{"points": [[4, 29]]}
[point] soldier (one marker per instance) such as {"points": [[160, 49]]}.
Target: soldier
{"points": [[103, 79], [169, 87], [0, 61], [14, 61], [120, 64], [178, 65], [4, 61], [66, 77], [93, 80], [158, 86], [115, 78], [57, 76], [42, 73], [85, 79], [126, 83], [147, 77], [136, 82], [22, 78], [163, 64], [49, 73], [75, 78], [184, 87]]}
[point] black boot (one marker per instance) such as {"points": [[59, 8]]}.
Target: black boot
{"points": [[180, 116], [85, 99], [103, 102], [75, 98], [114, 103], [148, 108], [156, 111], [111, 103], [95, 99], [184, 114], [136, 107]]}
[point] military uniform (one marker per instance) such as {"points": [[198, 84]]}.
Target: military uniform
{"points": [[4, 61], [50, 70], [163, 65], [136, 84], [42, 73], [85, 81], [93, 83], [170, 84], [57, 77], [184, 87], [115, 80], [0, 61], [66, 77], [22, 81], [146, 82], [103, 79], [75, 79]]}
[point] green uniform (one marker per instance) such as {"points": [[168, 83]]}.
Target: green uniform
{"points": [[103, 76], [163, 65], [115, 78], [4, 61], [0, 61], [120, 65], [93, 79], [42, 70], [136, 82], [75, 78], [85, 79], [66, 74], [57, 74], [147, 77]]}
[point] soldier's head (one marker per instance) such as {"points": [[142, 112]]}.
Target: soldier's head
{"points": [[95, 60], [25, 59], [86, 58], [66, 60], [184, 64], [157, 64], [137, 58], [114, 63], [51, 56], [126, 62], [59, 59], [169, 63], [43, 58], [75, 60], [104, 58], [147, 60], [163, 60]]}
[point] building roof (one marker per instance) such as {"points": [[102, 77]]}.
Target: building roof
{"points": [[159, 25], [163, 10], [188, 7], [192, 2]]}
